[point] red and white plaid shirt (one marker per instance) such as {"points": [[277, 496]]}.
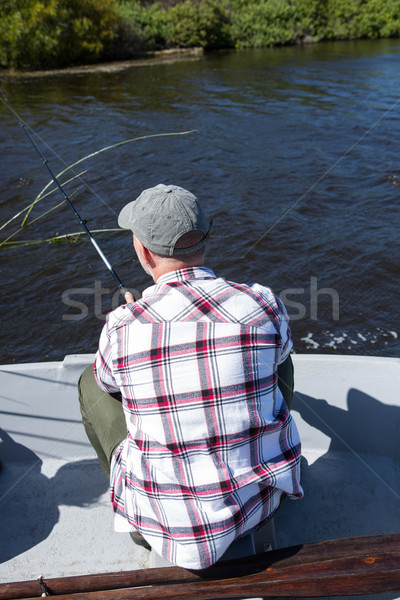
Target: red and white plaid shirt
{"points": [[211, 445]]}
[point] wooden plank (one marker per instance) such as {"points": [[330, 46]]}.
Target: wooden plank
{"points": [[351, 566]]}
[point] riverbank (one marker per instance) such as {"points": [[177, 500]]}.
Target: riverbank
{"points": [[145, 59], [52, 35]]}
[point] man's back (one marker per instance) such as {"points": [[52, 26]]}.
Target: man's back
{"points": [[211, 445]]}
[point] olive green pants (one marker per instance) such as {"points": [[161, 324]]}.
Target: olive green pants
{"points": [[104, 420]]}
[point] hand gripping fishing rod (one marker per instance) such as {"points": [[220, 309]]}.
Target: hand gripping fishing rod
{"points": [[59, 186]]}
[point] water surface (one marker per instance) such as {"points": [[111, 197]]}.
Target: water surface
{"points": [[295, 157]]}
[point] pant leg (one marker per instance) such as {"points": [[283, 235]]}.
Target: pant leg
{"points": [[286, 380], [103, 418]]}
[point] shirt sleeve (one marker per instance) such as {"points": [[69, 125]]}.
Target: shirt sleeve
{"points": [[275, 304], [103, 372]]}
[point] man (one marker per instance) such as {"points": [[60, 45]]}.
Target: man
{"points": [[201, 443]]}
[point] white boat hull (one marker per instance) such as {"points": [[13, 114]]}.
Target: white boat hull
{"points": [[56, 518]]}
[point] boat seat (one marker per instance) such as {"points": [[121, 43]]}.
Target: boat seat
{"points": [[265, 537]]}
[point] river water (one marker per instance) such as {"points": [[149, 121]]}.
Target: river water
{"points": [[295, 156]]}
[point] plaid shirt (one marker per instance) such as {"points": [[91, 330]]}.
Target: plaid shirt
{"points": [[211, 445]]}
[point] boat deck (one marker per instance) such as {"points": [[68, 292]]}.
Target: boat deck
{"points": [[55, 513]]}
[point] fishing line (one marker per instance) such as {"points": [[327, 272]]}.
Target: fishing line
{"points": [[338, 160], [78, 176], [81, 221]]}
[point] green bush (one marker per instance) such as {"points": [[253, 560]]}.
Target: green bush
{"points": [[54, 33], [148, 25], [263, 23], [354, 19], [342, 17], [379, 19], [204, 24], [311, 20], [28, 33]]}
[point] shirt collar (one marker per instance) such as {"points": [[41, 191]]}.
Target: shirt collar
{"points": [[187, 274]]}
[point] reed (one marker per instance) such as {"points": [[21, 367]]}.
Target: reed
{"points": [[66, 237], [47, 191], [21, 212], [41, 195]]}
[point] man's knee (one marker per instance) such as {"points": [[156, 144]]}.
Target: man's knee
{"points": [[85, 384], [87, 375]]}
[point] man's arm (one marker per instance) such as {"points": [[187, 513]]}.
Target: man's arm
{"points": [[103, 373]]}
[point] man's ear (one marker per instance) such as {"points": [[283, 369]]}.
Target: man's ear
{"points": [[144, 252], [147, 255], [137, 244]]}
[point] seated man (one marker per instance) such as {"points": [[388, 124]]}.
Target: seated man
{"points": [[184, 400]]}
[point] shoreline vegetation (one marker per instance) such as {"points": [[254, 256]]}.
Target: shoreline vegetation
{"points": [[42, 35]]}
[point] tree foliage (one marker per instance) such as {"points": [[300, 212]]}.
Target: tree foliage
{"points": [[206, 24], [260, 23], [56, 33]]}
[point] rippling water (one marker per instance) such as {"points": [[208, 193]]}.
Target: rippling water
{"points": [[295, 156]]}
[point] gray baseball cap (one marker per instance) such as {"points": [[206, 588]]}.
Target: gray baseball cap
{"points": [[161, 215]]}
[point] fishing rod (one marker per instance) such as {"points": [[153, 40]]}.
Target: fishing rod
{"points": [[82, 222]]}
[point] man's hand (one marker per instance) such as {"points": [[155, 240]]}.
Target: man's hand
{"points": [[129, 298]]}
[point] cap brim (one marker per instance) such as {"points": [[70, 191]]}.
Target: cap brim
{"points": [[196, 247], [125, 216]]}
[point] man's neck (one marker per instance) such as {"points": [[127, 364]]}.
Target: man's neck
{"points": [[170, 266]]}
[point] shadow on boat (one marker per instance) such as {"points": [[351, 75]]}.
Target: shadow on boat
{"points": [[30, 499], [352, 487]]}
